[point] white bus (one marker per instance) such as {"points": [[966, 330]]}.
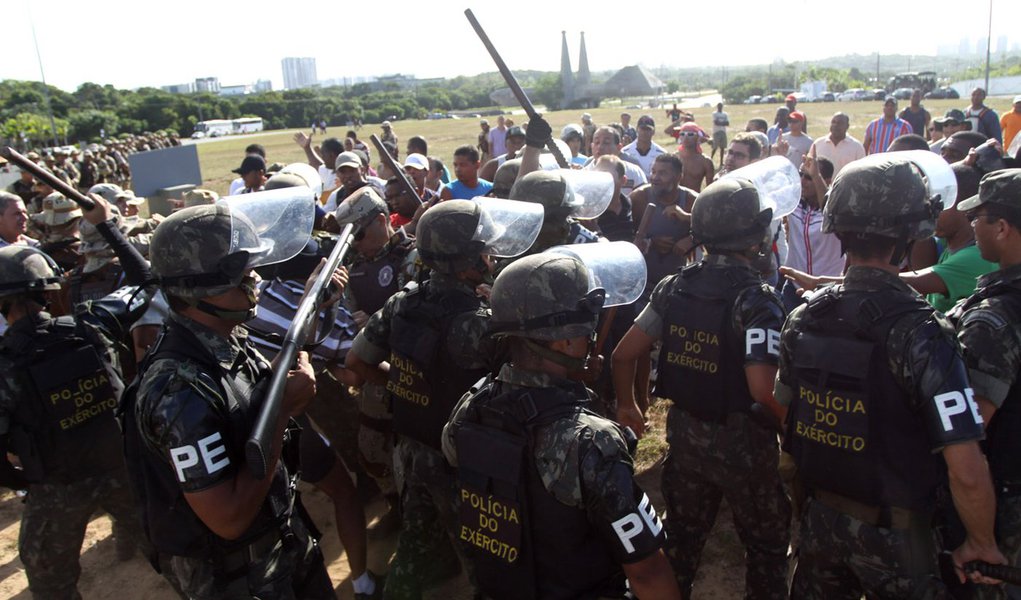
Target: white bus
{"points": [[213, 128], [247, 125]]}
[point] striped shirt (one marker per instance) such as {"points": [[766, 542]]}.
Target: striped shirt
{"points": [[881, 133], [278, 301]]}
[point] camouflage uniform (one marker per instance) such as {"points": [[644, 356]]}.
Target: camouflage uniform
{"points": [[733, 458], [76, 468], [424, 555], [841, 555], [990, 335], [178, 407]]}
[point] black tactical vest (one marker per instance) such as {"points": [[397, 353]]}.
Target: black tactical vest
{"points": [[63, 430], [701, 366], [523, 542], [372, 282], [851, 427], [1003, 433], [98, 284], [169, 523], [425, 382]]}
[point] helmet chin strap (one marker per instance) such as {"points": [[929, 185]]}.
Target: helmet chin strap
{"points": [[570, 363], [240, 316]]}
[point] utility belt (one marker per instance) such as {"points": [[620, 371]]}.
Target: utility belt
{"points": [[237, 560], [886, 517]]}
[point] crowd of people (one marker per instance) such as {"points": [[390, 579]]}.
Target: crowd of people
{"points": [[845, 363]]}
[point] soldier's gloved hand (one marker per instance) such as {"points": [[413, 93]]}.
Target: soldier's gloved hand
{"points": [[538, 132], [300, 387]]}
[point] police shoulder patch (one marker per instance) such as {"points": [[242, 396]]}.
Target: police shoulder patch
{"points": [[983, 315]]}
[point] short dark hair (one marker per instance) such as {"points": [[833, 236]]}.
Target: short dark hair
{"points": [[751, 141], [825, 167], [256, 149], [973, 139], [909, 141], [333, 145], [468, 151], [616, 134], [351, 133], [968, 179], [759, 125], [672, 160], [419, 145], [435, 164], [618, 164]]}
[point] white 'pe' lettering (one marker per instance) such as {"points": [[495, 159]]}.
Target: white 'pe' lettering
{"points": [[627, 527], [648, 512], [184, 457], [209, 454], [949, 404], [770, 337]]}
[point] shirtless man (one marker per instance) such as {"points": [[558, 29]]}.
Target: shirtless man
{"points": [[698, 168], [663, 187]]}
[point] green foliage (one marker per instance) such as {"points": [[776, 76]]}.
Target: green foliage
{"points": [[35, 128], [87, 124]]}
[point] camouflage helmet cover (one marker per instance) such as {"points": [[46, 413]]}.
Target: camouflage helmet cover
{"points": [[445, 236], [191, 252], [727, 215], [548, 188], [506, 174], [26, 269], [545, 297], [888, 198]]}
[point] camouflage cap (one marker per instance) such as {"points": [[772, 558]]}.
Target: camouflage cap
{"points": [[27, 269], [190, 252], [545, 297], [108, 191], [130, 198], [199, 197], [727, 215], [57, 210], [504, 178], [445, 236], [888, 198], [548, 188], [361, 206], [999, 187]]}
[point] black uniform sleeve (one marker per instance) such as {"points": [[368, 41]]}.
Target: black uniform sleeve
{"points": [[759, 315], [783, 390], [136, 268], [182, 426], [619, 510], [938, 381]]}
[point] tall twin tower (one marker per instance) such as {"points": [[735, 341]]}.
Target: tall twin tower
{"points": [[570, 82]]}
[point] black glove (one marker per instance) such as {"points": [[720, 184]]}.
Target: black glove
{"points": [[538, 133]]}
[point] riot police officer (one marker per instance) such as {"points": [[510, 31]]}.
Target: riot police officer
{"points": [[549, 505], [385, 260], [989, 329], [60, 380], [226, 533], [719, 325], [432, 336], [877, 394]]}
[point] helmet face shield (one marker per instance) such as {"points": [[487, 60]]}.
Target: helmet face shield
{"points": [[617, 268], [507, 227], [271, 226], [306, 172], [593, 192], [776, 180], [940, 180]]}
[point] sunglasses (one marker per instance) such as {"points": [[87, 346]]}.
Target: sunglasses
{"points": [[687, 133]]}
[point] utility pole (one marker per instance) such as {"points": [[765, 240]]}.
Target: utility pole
{"points": [[989, 43], [877, 69], [42, 76]]}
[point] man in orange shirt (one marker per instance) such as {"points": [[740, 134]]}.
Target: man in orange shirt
{"points": [[1011, 123]]}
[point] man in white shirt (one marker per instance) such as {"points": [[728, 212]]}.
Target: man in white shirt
{"points": [[798, 144], [643, 149], [840, 148], [720, 123]]}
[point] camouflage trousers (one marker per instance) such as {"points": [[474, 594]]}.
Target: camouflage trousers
{"points": [[1008, 538], [293, 568], [736, 460], [840, 557], [427, 552], [53, 528], [375, 437]]}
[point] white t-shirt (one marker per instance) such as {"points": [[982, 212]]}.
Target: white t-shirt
{"points": [[236, 187], [328, 176], [645, 162], [720, 121], [799, 147]]}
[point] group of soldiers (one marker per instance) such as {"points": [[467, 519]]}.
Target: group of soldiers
{"points": [[475, 352]]}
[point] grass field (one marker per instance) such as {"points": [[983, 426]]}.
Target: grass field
{"points": [[218, 157]]}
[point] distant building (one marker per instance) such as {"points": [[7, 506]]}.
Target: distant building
{"points": [[263, 85], [208, 84], [235, 90], [180, 88], [299, 73]]}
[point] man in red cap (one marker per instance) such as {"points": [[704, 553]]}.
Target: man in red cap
{"points": [[794, 144], [791, 102], [698, 168]]}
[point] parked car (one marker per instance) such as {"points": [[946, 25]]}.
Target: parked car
{"points": [[877, 94], [943, 93], [853, 95], [903, 93], [752, 100], [828, 97]]}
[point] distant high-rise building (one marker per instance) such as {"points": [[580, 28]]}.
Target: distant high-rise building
{"points": [[1001, 44], [263, 85], [181, 88], [299, 73], [208, 84]]}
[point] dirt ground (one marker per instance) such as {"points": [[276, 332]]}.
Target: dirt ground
{"points": [[721, 575]]}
